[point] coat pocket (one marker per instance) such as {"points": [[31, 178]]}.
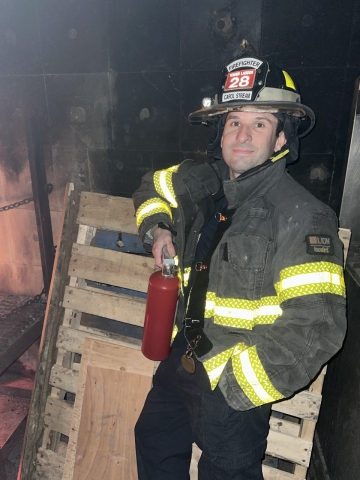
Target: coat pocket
{"points": [[242, 266]]}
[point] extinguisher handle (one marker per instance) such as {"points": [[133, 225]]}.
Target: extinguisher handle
{"points": [[169, 268]]}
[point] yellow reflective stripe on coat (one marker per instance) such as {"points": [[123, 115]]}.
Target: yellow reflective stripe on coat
{"points": [[252, 378], [215, 366], [309, 279], [186, 276], [174, 333], [150, 207], [239, 313], [164, 185]]}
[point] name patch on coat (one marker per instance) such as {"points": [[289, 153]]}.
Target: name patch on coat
{"points": [[319, 245]]}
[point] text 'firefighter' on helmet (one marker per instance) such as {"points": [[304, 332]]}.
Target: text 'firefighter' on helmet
{"points": [[250, 81]]}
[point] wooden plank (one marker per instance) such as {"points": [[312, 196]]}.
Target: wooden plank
{"points": [[112, 268], [317, 384], [307, 426], [275, 474], [107, 213], [303, 405], [73, 340], [113, 384], [85, 234], [58, 415], [293, 449], [64, 378], [285, 426], [48, 465], [53, 317], [195, 457], [121, 307], [300, 471]]}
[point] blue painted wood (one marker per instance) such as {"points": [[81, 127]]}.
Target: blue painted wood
{"points": [[111, 288], [111, 241]]}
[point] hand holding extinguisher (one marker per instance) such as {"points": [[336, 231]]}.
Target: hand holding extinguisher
{"points": [[162, 296], [163, 246]]}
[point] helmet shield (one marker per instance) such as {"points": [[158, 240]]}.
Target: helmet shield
{"points": [[249, 83]]}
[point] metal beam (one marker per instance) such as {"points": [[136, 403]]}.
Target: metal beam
{"points": [[41, 199]]}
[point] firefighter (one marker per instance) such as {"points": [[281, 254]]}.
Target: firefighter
{"points": [[262, 301]]}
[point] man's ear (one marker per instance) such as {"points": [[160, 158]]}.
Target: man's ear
{"points": [[280, 141]]}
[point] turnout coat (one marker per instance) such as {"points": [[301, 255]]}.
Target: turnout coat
{"points": [[275, 302]]}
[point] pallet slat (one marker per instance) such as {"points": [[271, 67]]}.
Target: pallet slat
{"points": [[304, 405], [109, 267], [107, 213], [287, 447], [274, 474], [49, 465], [64, 378], [58, 415], [121, 307], [73, 340], [284, 426]]}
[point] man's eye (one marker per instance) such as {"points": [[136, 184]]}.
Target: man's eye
{"points": [[235, 124], [259, 125]]}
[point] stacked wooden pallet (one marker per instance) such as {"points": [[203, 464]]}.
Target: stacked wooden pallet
{"points": [[92, 379]]}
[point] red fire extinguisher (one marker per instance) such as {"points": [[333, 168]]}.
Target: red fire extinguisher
{"points": [[162, 296]]}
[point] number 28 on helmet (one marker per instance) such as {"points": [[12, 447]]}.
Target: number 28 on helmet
{"points": [[251, 83]]}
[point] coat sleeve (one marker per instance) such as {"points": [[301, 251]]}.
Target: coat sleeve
{"points": [[276, 360], [154, 202]]}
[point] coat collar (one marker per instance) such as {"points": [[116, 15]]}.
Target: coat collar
{"points": [[207, 180], [254, 183]]}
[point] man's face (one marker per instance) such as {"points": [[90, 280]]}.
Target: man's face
{"points": [[248, 140]]}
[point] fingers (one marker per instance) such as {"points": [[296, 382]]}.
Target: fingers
{"points": [[162, 245]]}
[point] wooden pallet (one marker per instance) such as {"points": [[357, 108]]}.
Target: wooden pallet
{"points": [[92, 379]]}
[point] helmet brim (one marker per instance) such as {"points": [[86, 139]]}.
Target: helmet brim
{"points": [[298, 110]]}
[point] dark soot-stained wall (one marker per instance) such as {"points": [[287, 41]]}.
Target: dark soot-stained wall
{"points": [[115, 80]]}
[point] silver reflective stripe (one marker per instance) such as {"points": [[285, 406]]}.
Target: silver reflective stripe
{"points": [[252, 379], [166, 191], [310, 278], [244, 314], [215, 374], [146, 210]]}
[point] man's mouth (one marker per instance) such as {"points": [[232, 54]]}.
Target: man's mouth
{"points": [[242, 151]]}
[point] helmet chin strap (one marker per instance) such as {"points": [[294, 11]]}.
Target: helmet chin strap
{"points": [[280, 153], [214, 151], [290, 130]]}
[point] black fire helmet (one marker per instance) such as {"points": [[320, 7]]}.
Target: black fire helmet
{"points": [[251, 82]]}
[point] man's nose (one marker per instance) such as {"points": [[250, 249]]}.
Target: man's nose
{"points": [[243, 134]]}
